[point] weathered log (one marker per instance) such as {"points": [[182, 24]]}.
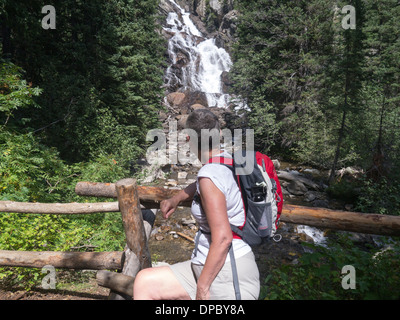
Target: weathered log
{"points": [[136, 254], [96, 189], [132, 219], [58, 208], [67, 260], [318, 217], [117, 282], [342, 220], [130, 267], [150, 197]]}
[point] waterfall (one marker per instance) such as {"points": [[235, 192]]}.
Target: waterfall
{"points": [[196, 62]]}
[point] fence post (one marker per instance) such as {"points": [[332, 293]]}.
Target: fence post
{"points": [[136, 254]]}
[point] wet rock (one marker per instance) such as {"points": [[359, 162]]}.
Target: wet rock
{"points": [[310, 196], [296, 176], [182, 175], [195, 97], [321, 203], [171, 183], [181, 120], [306, 238], [187, 222], [312, 172], [296, 188], [226, 81], [197, 106], [277, 164], [176, 98]]}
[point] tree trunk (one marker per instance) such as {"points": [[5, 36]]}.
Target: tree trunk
{"points": [[339, 144], [318, 217]]}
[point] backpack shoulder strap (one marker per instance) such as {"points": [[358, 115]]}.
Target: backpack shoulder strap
{"points": [[229, 163]]}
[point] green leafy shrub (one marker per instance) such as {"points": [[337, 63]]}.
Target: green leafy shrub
{"points": [[318, 274], [379, 197], [344, 190], [36, 181]]}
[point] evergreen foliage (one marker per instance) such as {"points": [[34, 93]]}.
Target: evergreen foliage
{"points": [[331, 93], [100, 71]]}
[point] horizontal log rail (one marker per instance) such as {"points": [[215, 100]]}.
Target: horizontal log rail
{"points": [[58, 208], [317, 217], [57, 259], [152, 196]]}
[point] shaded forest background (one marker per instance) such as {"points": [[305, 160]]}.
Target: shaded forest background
{"points": [[77, 102]]}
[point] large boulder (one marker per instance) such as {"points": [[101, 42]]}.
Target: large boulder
{"points": [[296, 188], [176, 98], [296, 176]]}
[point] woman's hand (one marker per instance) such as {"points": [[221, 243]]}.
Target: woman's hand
{"points": [[168, 206]]}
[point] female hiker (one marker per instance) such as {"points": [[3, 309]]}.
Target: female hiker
{"points": [[217, 203]]}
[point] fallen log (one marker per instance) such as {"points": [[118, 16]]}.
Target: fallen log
{"points": [[67, 260], [342, 220], [58, 208], [117, 282]]}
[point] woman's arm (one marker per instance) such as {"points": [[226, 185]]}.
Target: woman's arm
{"points": [[168, 206], [214, 205]]}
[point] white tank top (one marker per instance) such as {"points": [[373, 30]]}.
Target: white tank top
{"points": [[223, 179]]}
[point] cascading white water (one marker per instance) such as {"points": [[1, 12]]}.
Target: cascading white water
{"points": [[196, 62]]}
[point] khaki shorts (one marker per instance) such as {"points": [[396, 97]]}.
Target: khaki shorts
{"points": [[222, 288]]}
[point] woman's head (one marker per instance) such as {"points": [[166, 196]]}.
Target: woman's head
{"points": [[202, 119], [206, 127]]}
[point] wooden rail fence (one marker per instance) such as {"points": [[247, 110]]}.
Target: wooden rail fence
{"points": [[131, 198]]}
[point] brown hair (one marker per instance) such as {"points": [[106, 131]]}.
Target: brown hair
{"points": [[203, 119]]}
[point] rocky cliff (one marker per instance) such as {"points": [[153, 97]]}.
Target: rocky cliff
{"points": [[215, 18]]}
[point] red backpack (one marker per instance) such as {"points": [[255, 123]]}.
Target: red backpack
{"points": [[261, 195]]}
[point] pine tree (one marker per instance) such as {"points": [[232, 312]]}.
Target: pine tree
{"points": [[100, 70], [345, 74], [280, 59], [382, 46]]}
